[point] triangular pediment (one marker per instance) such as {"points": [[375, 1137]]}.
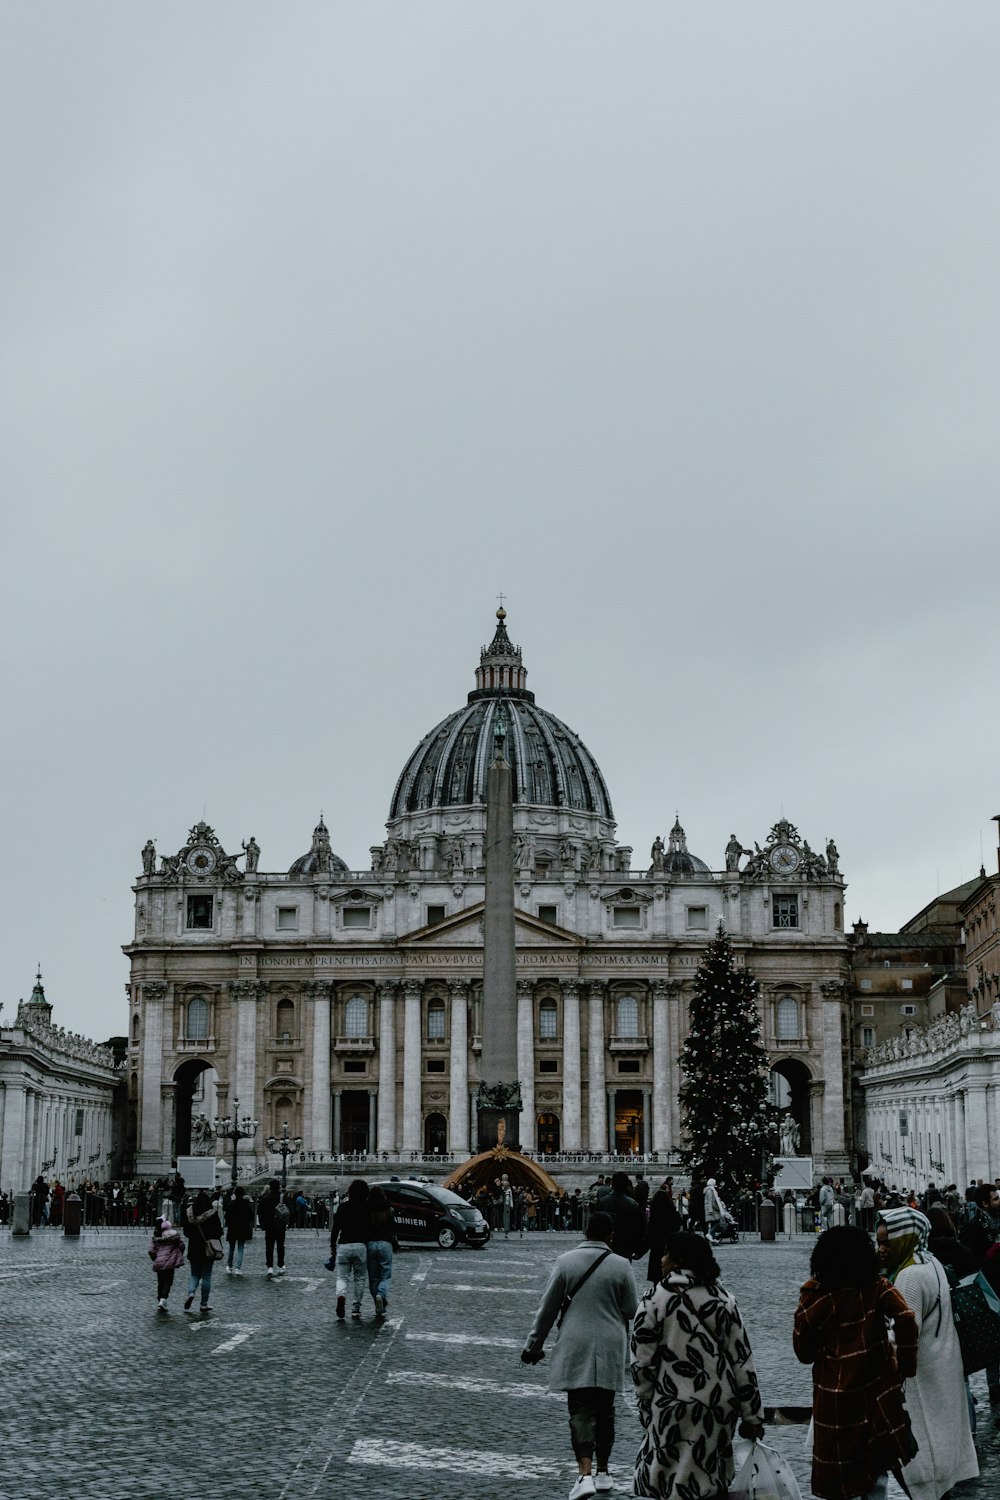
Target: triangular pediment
{"points": [[464, 929]]}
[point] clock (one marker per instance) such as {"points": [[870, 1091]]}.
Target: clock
{"points": [[784, 859], [200, 861]]}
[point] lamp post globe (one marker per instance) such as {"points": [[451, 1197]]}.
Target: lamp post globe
{"points": [[232, 1128], [284, 1145]]}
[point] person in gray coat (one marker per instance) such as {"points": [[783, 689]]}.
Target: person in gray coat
{"points": [[592, 1294]]}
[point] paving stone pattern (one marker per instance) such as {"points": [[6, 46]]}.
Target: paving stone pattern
{"points": [[270, 1396]]}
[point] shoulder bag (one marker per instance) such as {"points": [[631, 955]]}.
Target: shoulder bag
{"points": [[564, 1309]]}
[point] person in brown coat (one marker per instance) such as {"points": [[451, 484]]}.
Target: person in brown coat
{"points": [[860, 1430]]}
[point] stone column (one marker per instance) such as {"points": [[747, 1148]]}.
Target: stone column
{"points": [[149, 1158], [612, 1108], [337, 1123], [473, 1123], [647, 1109], [318, 1132], [526, 1062], [959, 1170], [245, 993], [597, 1122], [976, 1144], [458, 1083], [411, 1064], [833, 1078], [372, 1110], [387, 1068], [663, 1068], [570, 1134], [12, 1157]]}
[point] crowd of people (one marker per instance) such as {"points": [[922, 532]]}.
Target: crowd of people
{"points": [[874, 1320]]}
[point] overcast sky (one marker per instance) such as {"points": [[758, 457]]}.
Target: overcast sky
{"points": [[323, 323]]}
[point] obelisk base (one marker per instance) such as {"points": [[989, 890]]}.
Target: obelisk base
{"points": [[498, 1115]]}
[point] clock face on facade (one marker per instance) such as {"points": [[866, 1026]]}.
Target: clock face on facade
{"points": [[201, 861], [784, 859]]}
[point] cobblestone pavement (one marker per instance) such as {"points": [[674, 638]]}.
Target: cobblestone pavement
{"points": [[107, 1398]]}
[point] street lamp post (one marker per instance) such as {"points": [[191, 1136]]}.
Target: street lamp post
{"points": [[284, 1145], [232, 1128]]}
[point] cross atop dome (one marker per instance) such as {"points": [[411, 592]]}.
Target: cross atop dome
{"points": [[500, 669]]}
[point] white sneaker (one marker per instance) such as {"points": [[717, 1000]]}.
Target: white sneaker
{"points": [[237, 1273], [162, 1303], [603, 1481], [584, 1486], [229, 1270], [269, 1271], [281, 1270]]}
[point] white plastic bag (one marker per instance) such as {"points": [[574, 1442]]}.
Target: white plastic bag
{"points": [[761, 1474]]}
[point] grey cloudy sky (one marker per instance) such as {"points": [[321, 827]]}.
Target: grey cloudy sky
{"points": [[322, 323]]}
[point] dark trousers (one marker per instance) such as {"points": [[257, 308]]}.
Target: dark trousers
{"points": [[274, 1239], [164, 1281], [592, 1423]]}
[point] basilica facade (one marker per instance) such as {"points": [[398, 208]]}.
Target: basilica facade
{"points": [[347, 1004]]}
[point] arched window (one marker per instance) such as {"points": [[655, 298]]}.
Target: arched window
{"points": [[435, 1134], [786, 1019], [285, 1020], [197, 1019], [356, 1016], [627, 1016], [135, 1028], [435, 1020], [548, 1134], [548, 1021]]}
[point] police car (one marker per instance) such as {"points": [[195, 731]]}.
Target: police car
{"points": [[427, 1214]]}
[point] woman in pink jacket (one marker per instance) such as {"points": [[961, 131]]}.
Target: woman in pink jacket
{"points": [[166, 1250]]}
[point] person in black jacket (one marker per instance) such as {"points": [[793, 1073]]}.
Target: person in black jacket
{"points": [[980, 1234], [239, 1229], [663, 1220], [629, 1219], [349, 1243], [273, 1217]]}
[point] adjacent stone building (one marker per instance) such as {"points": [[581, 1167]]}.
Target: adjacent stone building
{"points": [[347, 1003], [57, 1101], [927, 1010]]}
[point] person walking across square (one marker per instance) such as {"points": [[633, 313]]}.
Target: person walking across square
{"points": [[591, 1298], [349, 1244]]}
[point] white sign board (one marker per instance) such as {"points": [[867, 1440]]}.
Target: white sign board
{"points": [[197, 1171], [793, 1173]]}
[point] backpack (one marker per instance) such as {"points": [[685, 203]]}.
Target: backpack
{"points": [[282, 1215]]}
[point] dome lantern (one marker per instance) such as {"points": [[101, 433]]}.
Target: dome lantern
{"points": [[500, 670]]}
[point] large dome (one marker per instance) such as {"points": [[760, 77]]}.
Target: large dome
{"points": [[551, 765]]}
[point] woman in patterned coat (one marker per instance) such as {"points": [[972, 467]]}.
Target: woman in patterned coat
{"points": [[694, 1377]]}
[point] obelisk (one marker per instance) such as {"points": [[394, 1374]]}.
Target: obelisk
{"points": [[499, 1099]]}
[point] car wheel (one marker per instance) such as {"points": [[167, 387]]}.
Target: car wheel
{"points": [[447, 1238]]}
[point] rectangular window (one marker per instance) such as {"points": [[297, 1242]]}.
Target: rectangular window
{"points": [[906, 984], [435, 1065], [697, 918], [357, 916], [548, 1065], [549, 914], [785, 911], [355, 1065], [626, 916], [866, 984], [435, 914], [867, 1010], [199, 911], [904, 1124], [79, 1123], [627, 1065], [287, 918], [868, 1036], [908, 1010]]}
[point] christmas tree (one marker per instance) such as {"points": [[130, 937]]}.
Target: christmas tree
{"points": [[728, 1119]]}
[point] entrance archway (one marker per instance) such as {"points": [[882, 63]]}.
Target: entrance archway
{"points": [[196, 1104], [548, 1134], [628, 1122], [790, 1080], [435, 1134]]}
